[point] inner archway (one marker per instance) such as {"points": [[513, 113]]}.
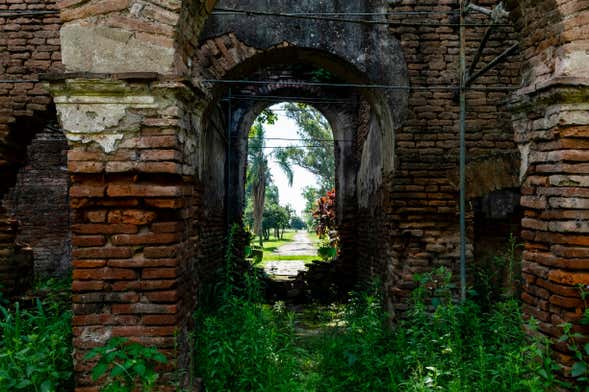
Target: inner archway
{"points": [[363, 132]]}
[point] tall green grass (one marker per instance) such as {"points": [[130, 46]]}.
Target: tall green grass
{"points": [[439, 345], [35, 343]]}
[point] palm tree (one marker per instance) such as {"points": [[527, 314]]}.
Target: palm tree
{"points": [[258, 174]]}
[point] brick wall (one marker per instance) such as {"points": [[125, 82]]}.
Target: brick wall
{"points": [[145, 230], [551, 129], [421, 203], [39, 202], [29, 45]]}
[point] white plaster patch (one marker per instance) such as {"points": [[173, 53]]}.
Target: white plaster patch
{"points": [[103, 124], [370, 172], [572, 62], [108, 142], [90, 118], [524, 150]]}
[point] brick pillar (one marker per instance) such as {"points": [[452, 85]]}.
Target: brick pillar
{"points": [[552, 129], [132, 168]]}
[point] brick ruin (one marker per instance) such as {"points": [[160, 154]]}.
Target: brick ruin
{"points": [[156, 154]]}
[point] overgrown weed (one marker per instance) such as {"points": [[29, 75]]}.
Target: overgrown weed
{"points": [[439, 345], [36, 342]]}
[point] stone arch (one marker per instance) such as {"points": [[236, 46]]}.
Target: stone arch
{"points": [[362, 178], [146, 188]]}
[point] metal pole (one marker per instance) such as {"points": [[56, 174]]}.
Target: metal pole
{"points": [[228, 209], [462, 152]]}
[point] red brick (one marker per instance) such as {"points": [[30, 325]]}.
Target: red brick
{"points": [[135, 217], [144, 309], [145, 239], [85, 167], [94, 240], [569, 278], [126, 285], [105, 273], [104, 319], [98, 216], [142, 263], [163, 296], [159, 167], [144, 190], [159, 319], [132, 330], [102, 253], [101, 228], [159, 273], [167, 227], [572, 252], [88, 263], [566, 302], [159, 252], [165, 203], [106, 297], [149, 285], [87, 190], [78, 286], [160, 155]]}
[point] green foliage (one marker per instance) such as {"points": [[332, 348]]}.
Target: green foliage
{"points": [[580, 351], [455, 347], [314, 130], [494, 277], [243, 345], [439, 345], [297, 223], [35, 344], [126, 365]]}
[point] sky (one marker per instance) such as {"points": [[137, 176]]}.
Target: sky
{"points": [[287, 128]]}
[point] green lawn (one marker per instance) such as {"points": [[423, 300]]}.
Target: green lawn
{"points": [[274, 243], [271, 245], [273, 257]]}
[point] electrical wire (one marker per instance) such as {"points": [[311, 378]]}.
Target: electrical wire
{"points": [[10, 13], [345, 20], [285, 147], [352, 85], [19, 80], [285, 97], [305, 140], [400, 13]]}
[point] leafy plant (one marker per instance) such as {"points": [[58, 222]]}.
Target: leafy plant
{"points": [[35, 348], [126, 365]]}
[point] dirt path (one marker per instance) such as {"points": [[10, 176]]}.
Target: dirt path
{"points": [[301, 246]]}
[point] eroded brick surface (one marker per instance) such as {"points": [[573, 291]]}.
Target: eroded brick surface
{"points": [[147, 165]]}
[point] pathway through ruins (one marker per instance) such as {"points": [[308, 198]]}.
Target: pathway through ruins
{"points": [[285, 269]]}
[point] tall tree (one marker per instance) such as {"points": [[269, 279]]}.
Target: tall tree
{"points": [[314, 130], [258, 173]]}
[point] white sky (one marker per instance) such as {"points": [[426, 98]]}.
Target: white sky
{"points": [[287, 128]]}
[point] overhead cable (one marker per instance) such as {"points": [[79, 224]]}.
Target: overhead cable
{"points": [[347, 20], [353, 85], [10, 13]]}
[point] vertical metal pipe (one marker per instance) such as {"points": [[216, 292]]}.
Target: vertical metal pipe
{"points": [[462, 151], [229, 209]]}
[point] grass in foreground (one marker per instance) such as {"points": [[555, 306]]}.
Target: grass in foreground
{"points": [[35, 342], [249, 346]]}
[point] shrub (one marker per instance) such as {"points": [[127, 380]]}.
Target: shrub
{"points": [[35, 345], [126, 365]]}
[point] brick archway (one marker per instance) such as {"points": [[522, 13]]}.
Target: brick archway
{"points": [[131, 113]]}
